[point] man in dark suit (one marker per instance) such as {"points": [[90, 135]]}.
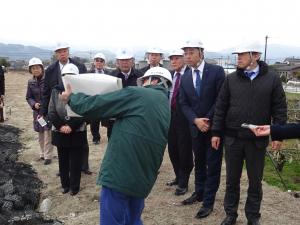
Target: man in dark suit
{"points": [[99, 68], [53, 73], [154, 56], [125, 71], [198, 93], [53, 78], [179, 140]]}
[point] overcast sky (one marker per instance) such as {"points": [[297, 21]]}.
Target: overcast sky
{"points": [[99, 24]]}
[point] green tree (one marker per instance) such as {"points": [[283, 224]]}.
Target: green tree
{"points": [[4, 62]]}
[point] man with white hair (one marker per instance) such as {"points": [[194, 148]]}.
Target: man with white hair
{"points": [[254, 95], [53, 72], [53, 78], [180, 141], [99, 68], [136, 147]]}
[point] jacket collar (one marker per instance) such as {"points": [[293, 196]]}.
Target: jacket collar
{"points": [[263, 69]]}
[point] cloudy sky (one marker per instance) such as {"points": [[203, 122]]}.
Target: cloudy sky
{"points": [[98, 24]]}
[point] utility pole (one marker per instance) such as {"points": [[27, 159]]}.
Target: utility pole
{"points": [[266, 44]]}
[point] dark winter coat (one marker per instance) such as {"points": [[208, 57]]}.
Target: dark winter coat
{"points": [[57, 114], [131, 80], [33, 96], [242, 100]]}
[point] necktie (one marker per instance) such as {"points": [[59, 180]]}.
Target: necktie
{"points": [[125, 76], [198, 82], [175, 91], [249, 74]]}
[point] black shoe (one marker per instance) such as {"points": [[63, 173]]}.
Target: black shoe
{"points": [[203, 212], [65, 190], [181, 191], [172, 183], [47, 161], [87, 172], [229, 220], [73, 193], [58, 174], [194, 198], [253, 222]]}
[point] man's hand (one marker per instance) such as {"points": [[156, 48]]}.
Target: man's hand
{"points": [[66, 94], [276, 145], [263, 130], [215, 142], [37, 106], [202, 124]]}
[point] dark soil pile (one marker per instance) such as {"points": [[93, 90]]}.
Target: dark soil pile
{"points": [[19, 184]]}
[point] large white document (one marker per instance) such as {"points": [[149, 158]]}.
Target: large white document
{"points": [[91, 84]]}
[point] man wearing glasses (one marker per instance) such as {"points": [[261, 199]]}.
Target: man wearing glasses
{"points": [[98, 67]]}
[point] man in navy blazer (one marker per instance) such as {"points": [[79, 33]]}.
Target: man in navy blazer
{"points": [[53, 73], [53, 78], [198, 93]]}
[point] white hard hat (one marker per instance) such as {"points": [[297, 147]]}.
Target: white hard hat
{"points": [[193, 44], [124, 54], [35, 61], [160, 72], [70, 68], [154, 50], [176, 52], [61, 45], [252, 47], [100, 56]]}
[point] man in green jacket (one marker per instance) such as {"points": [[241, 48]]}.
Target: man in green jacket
{"points": [[136, 146]]}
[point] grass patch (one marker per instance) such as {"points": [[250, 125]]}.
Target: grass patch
{"points": [[290, 175]]}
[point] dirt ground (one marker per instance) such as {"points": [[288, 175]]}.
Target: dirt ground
{"points": [[162, 206]]}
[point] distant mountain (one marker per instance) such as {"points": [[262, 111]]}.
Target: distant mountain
{"points": [[275, 52], [16, 51]]}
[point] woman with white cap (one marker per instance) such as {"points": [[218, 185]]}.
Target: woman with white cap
{"points": [[33, 97]]}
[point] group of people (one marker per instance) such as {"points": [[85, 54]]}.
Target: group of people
{"points": [[194, 109]]}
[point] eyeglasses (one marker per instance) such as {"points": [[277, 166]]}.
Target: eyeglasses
{"points": [[99, 60]]}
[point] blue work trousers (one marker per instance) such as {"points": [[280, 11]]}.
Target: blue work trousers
{"points": [[119, 209]]}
